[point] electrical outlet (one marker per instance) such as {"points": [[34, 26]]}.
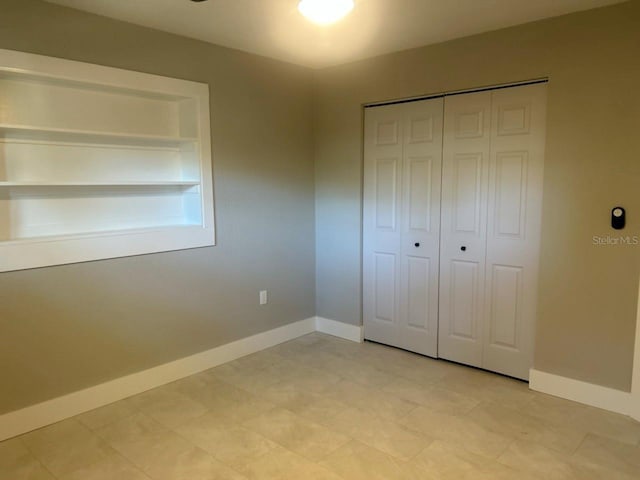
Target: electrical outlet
{"points": [[263, 297]]}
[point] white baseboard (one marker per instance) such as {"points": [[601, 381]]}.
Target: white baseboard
{"points": [[582, 392], [347, 331], [635, 408], [57, 409], [52, 411]]}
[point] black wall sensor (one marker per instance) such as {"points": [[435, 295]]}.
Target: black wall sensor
{"points": [[618, 218]]}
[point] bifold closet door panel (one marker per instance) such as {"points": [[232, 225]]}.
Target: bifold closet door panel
{"points": [[420, 246], [513, 227], [403, 149], [382, 233], [465, 171]]}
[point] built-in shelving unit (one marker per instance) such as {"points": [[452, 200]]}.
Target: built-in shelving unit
{"points": [[100, 184], [97, 162]]}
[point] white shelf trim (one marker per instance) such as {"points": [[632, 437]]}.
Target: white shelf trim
{"points": [[42, 133], [106, 233], [177, 183]]}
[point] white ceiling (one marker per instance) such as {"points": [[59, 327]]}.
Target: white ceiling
{"points": [[275, 28]]}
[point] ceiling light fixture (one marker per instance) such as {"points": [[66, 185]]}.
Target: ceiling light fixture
{"points": [[324, 12]]}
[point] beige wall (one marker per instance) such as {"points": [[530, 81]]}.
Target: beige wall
{"points": [[588, 294], [68, 327]]}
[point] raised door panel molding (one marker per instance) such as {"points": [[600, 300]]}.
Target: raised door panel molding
{"points": [[421, 129], [385, 280], [511, 194], [386, 193], [419, 193], [418, 287], [514, 119], [466, 194], [505, 308], [469, 124], [463, 304], [386, 133]]}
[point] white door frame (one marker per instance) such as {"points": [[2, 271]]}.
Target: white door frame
{"points": [[635, 386]]}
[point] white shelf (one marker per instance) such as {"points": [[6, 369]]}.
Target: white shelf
{"points": [[20, 132], [179, 183], [104, 233], [97, 162]]}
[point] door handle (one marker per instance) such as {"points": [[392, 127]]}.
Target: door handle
{"points": [[463, 248], [417, 244]]}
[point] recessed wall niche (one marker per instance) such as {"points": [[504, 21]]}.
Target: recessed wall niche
{"points": [[98, 162]]}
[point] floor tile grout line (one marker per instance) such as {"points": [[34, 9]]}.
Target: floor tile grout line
{"points": [[44, 467], [505, 450], [112, 453], [302, 455], [575, 450], [210, 454], [20, 439]]}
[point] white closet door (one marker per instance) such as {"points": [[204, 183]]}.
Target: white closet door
{"points": [[422, 171], [463, 226], [403, 149], [381, 223], [513, 228]]}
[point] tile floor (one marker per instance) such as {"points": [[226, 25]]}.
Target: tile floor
{"points": [[323, 408]]}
